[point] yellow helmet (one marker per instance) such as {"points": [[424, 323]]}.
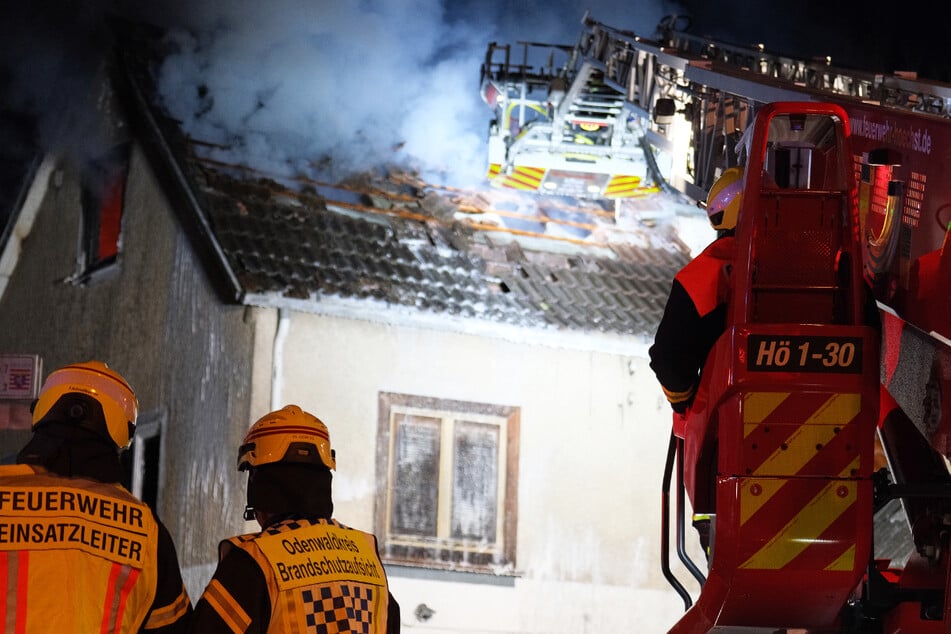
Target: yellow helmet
{"points": [[723, 201], [288, 435], [94, 379]]}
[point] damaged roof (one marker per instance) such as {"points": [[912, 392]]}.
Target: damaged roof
{"points": [[390, 242]]}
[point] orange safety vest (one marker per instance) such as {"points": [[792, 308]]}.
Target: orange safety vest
{"points": [[76, 555], [319, 574]]}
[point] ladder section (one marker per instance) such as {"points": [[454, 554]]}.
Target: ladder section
{"points": [[613, 47]]}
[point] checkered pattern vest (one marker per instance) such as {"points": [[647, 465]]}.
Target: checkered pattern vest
{"points": [[323, 577]]}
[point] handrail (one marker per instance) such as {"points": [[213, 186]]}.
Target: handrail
{"points": [[675, 451], [681, 519]]}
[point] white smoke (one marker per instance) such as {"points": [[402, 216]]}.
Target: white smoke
{"points": [[295, 87], [318, 88]]}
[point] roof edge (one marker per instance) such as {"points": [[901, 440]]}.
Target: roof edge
{"points": [[377, 311]]}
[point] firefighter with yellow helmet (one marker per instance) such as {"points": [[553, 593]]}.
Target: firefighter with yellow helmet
{"points": [[304, 571], [79, 552]]}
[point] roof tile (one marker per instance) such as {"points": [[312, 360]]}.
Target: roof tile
{"points": [[402, 241]]}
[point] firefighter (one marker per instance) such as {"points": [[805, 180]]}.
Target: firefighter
{"points": [[79, 552], [695, 314], [304, 571], [693, 320]]}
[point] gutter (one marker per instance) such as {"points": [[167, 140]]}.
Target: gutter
{"points": [[277, 359]]}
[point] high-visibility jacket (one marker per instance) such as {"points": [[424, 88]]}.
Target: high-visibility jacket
{"points": [[76, 555], [321, 576]]}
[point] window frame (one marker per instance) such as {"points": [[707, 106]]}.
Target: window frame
{"points": [[102, 218], [150, 426], [442, 551]]}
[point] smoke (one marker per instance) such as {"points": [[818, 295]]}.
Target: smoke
{"points": [[293, 87], [328, 88], [50, 56]]}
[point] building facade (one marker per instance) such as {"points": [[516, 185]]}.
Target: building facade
{"points": [[488, 395]]}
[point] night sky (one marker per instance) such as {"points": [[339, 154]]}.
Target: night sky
{"points": [[881, 37]]}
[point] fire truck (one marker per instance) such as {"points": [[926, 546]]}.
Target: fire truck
{"points": [[560, 128], [837, 354]]}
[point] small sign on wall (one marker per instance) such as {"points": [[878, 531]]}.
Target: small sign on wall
{"points": [[20, 376]]}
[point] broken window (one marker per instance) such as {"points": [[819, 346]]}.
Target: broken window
{"points": [[450, 499], [103, 197]]}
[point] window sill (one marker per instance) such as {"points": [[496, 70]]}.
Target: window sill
{"points": [[442, 572]]}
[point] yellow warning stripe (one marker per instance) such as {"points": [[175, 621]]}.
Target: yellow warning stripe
{"points": [[749, 503], [227, 608], [528, 175], [840, 409], [800, 447], [816, 430], [620, 186], [624, 180], [513, 184], [804, 529], [845, 561], [757, 406], [523, 178]]}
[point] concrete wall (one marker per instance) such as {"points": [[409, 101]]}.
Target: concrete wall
{"points": [[155, 319], [594, 434]]}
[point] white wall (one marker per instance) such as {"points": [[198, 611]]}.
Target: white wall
{"points": [[594, 435]]}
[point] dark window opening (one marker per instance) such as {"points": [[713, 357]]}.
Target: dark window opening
{"points": [[142, 463], [150, 472]]}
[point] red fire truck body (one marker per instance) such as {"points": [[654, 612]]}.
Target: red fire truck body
{"points": [[803, 395]]}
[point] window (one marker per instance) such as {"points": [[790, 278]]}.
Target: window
{"points": [[143, 461], [451, 469], [103, 195]]}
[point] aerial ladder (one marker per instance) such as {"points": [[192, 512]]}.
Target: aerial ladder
{"points": [[698, 106], [782, 430], [559, 128]]}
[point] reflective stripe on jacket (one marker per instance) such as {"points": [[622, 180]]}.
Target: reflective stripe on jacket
{"points": [[321, 576], [76, 555]]}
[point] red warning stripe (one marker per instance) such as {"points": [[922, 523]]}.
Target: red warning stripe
{"points": [[287, 429]]}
